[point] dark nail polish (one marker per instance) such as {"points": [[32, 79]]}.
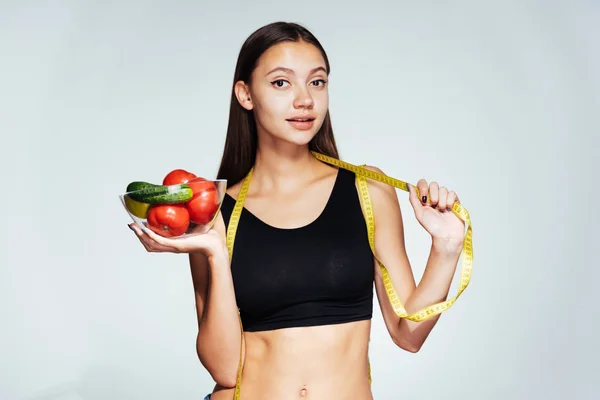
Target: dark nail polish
{"points": [[131, 227], [424, 199]]}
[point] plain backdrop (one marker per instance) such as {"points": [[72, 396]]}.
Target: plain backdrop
{"points": [[497, 100]]}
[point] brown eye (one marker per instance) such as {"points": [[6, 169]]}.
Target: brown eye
{"points": [[279, 83]]}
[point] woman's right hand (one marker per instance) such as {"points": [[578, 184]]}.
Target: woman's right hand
{"points": [[210, 244]]}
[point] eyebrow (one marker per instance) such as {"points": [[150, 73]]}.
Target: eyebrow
{"points": [[291, 71]]}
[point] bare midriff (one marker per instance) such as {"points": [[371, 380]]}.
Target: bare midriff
{"points": [[308, 363]]}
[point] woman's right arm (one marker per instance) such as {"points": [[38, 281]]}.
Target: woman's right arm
{"points": [[219, 335]]}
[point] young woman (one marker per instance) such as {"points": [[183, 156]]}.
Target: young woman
{"points": [[302, 270]]}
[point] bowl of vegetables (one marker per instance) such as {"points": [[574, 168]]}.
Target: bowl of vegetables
{"points": [[183, 204]]}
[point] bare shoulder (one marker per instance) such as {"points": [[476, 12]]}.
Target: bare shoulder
{"points": [[382, 194], [219, 225]]}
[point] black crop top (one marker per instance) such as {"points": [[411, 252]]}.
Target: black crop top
{"points": [[318, 274]]}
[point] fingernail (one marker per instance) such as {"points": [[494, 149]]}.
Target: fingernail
{"points": [[424, 199], [131, 227], [144, 230]]}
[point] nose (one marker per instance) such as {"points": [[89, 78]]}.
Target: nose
{"points": [[303, 99]]}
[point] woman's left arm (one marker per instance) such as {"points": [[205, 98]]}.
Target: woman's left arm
{"points": [[447, 237]]}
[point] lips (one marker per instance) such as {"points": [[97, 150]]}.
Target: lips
{"points": [[302, 122]]}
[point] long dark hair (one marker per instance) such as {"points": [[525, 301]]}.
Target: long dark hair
{"points": [[239, 152]]}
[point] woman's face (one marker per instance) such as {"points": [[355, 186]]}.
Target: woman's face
{"points": [[288, 93]]}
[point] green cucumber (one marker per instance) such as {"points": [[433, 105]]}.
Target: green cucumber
{"points": [[139, 185], [161, 194]]}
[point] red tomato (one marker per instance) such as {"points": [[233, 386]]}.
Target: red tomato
{"points": [[205, 201], [178, 176], [169, 219]]}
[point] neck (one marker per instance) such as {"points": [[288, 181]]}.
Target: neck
{"points": [[283, 167]]}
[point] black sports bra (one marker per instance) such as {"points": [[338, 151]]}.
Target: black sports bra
{"points": [[318, 274]]}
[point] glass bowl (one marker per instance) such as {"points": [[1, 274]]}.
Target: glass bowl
{"points": [[178, 210]]}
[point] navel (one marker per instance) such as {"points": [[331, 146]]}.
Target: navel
{"points": [[304, 393]]}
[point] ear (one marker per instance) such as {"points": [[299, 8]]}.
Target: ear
{"points": [[242, 92]]}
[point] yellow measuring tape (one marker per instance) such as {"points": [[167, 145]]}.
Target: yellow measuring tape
{"points": [[361, 175]]}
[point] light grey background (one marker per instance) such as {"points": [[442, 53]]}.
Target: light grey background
{"points": [[497, 100]]}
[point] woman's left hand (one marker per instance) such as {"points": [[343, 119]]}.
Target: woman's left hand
{"points": [[434, 212]]}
